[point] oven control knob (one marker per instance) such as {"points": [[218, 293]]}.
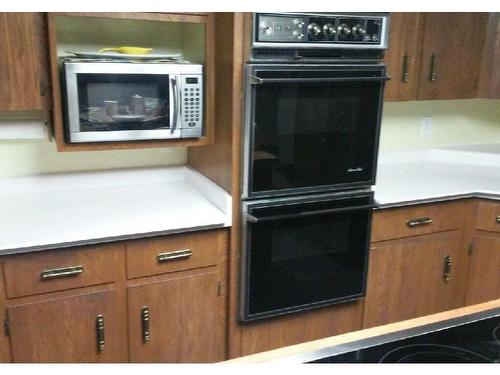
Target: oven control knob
{"points": [[314, 29], [329, 30], [344, 30], [358, 30]]}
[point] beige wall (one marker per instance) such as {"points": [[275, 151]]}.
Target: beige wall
{"points": [[454, 122]]}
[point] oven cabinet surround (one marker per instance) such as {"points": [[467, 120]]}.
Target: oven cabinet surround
{"points": [[97, 314], [484, 279], [24, 72], [440, 55]]}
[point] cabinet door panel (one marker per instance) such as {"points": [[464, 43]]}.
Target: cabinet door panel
{"points": [[457, 41], [484, 272], [20, 72], [63, 329], [402, 57], [186, 318], [405, 278], [4, 341]]}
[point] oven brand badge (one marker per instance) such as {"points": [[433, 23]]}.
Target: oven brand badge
{"points": [[281, 28]]}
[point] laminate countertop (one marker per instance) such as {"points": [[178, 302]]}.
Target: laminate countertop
{"points": [[433, 175], [59, 210]]}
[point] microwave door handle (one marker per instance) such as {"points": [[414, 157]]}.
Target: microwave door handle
{"points": [[254, 80], [254, 219], [177, 103]]}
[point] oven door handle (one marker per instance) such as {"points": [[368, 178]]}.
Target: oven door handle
{"points": [[254, 219], [254, 80]]}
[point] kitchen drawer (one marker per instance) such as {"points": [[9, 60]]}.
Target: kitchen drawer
{"points": [[488, 216], [178, 252], [402, 222], [62, 269]]}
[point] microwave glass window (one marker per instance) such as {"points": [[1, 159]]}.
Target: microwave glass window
{"points": [[123, 102], [314, 134]]}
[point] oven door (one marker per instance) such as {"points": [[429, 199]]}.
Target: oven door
{"points": [[311, 128], [302, 253]]}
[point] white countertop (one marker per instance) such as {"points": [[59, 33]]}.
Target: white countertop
{"points": [[421, 176], [50, 211]]}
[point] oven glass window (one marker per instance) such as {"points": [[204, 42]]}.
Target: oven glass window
{"points": [[109, 102], [307, 261], [310, 134]]}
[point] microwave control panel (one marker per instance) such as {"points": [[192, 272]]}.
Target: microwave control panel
{"points": [[347, 31], [191, 105]]}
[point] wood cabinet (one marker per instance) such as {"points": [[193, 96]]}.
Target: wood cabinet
{"points": [[441, 53], [4, 340], [415, 276], [23, 62], [490, 72]]}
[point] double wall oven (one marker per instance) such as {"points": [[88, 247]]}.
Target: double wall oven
{"points": [[314, 92]]}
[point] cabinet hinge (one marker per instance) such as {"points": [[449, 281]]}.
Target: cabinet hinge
{"points": [[220, 289], [471, 248], [6, 328]]}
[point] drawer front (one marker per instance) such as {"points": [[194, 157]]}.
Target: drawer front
{"points": [[62, 269], [178, 252], [402, 222], [488, 216]]}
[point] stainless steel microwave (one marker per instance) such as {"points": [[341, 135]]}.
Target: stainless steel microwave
{"points": [[109, 100]]}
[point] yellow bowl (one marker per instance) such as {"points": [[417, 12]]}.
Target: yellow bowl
{"points": [[128, 50]]}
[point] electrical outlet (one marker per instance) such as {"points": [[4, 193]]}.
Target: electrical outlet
{"points": [[426, 126]]}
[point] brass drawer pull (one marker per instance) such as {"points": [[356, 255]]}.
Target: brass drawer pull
{"points": [[405, 75], [174, 255], [420, 221], [99, 328], [432, 73], [498, 219], [448, 262], [145, 324], [61, 272]]}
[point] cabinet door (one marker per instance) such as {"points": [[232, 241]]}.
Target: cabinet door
{"points": [[484, 272], [406, 278], [4, 340], [402, 57], [451, 55], [65, 328], [23, 71], [184, 321]]}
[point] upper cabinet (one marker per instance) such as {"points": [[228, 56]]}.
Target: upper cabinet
{"points": [[435, 55], [490, 73], [23, 64]]}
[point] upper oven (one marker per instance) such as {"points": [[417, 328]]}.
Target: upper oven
{"points": [[311, 127], [107, 100]]}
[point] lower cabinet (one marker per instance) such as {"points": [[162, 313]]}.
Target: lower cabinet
{"points": [[484, 273], [415, 276], [77, 326], [177, 318]]}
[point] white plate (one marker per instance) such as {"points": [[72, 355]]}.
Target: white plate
{"points": [[128, 117], [117, 55]]}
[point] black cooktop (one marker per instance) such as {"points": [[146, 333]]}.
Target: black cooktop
{"points": [[477, 340]]}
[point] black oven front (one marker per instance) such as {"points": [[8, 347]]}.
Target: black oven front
{"points": [[303, 252], [311, 127]]}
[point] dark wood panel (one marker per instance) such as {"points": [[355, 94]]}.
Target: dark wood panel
{"points": [[489, 86], [299, 328], [22, 68], [63, 328], [405, 278], [457, 39], [4, 340], [484, 273], [101, 264], [186, 318], [404, 43]]}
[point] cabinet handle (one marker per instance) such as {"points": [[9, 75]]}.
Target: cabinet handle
{"points": [[145, 324], [420, 221], [173, 255], [448, 262], [99, 332], [61, 272], [432, 72], [498, 219], [405, 75]]}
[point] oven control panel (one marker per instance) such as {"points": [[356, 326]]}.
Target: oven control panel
{"points": [[321, 30]]}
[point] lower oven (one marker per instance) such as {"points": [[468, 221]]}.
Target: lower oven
{"points": [[304, 252]]}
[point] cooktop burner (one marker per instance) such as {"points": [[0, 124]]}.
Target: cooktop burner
{"points": [[474, 342]]}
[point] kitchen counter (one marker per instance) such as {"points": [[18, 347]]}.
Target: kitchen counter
{"points": [[51, 211], [424, 176]]}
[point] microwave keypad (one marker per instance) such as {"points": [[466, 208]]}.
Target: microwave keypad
{"points": [[192, 108]]}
